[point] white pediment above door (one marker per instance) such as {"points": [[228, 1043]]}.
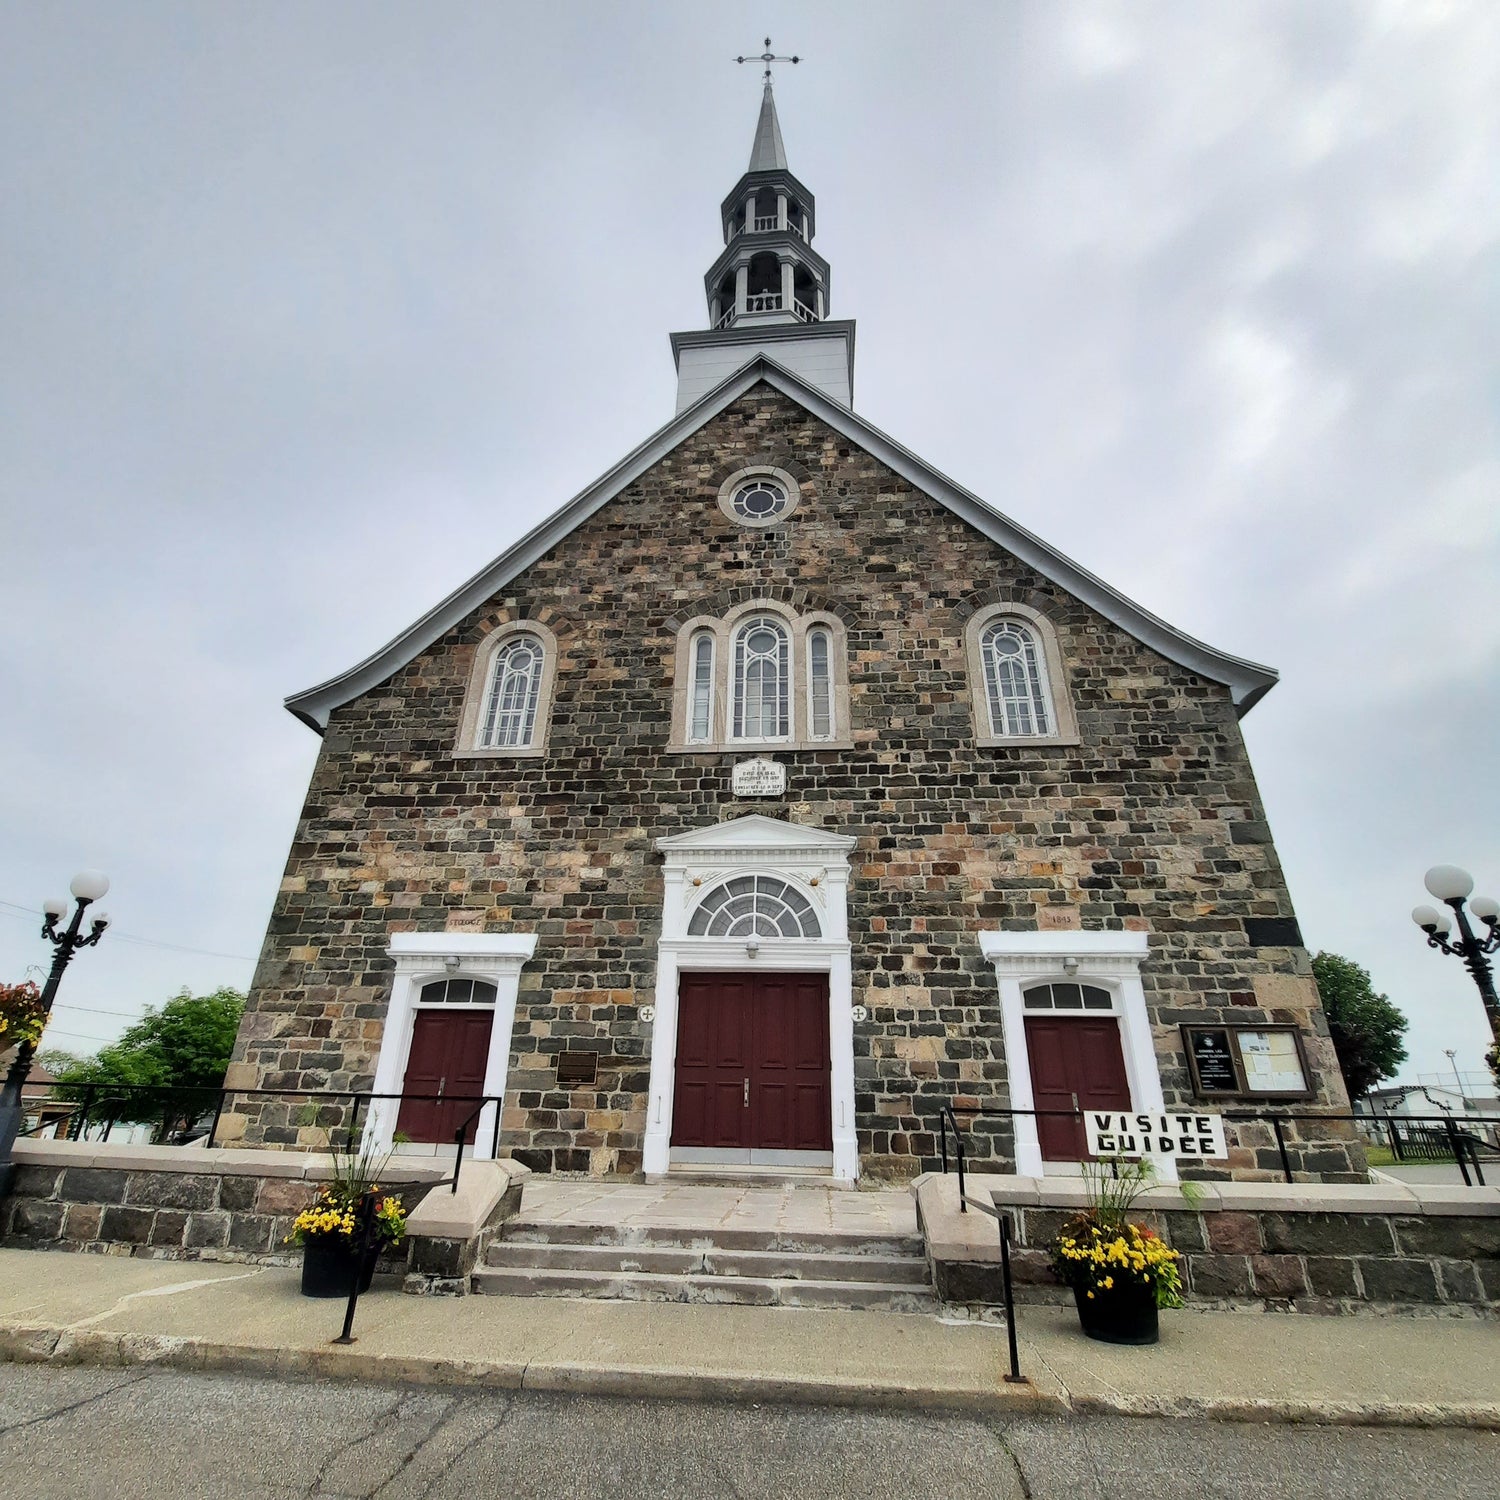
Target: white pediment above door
{"points": [[758, 833]]}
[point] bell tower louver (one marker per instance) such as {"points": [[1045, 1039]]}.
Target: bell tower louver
{"points": [[768, 291]]}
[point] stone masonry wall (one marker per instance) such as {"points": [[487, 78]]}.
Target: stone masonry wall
{"points": [[1153, 823], [177, 1214], [1312, 1261]]}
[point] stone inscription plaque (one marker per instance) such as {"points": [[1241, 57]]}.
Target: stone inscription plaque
{"points": [[759, 778]]}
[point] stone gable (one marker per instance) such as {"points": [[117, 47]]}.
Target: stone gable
{"points": [[1152, 823]]}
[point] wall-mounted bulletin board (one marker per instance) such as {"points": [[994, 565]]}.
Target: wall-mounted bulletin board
{"points": [[1261, 1062]]}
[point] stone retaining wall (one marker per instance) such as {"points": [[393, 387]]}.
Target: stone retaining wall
{"points": [[172, 1203], [1312, 1247]]}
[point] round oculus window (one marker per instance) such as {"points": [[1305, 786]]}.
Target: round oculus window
{"points": [[759, 495], [760, 499]]}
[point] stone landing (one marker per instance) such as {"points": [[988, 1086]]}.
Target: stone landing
{"points": [[756, 1246]]}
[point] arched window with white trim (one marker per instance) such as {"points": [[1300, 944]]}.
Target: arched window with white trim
{"points": [[1016, 673], [819, 684], [762, 680], [508, 705], [1015, 680], [515, 687], [701, 704], [760, 675]]}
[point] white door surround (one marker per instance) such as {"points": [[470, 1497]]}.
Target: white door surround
{"points": [[817, 865], [1111, 960], [496, 957]]}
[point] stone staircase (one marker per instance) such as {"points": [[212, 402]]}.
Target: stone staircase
{"points": [[748, 1267]]}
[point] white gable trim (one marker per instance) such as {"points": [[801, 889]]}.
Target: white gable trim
{"points": [[754, 831], [1246, 680]]}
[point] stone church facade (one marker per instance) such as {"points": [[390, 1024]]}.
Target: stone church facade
{"points": [[772, 795]]}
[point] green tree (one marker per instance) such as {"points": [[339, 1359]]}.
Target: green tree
{"points": [[173, 1059], [1365, 1027]]}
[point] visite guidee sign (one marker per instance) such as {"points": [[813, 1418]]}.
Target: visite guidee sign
{"points": [[1199, 1137]]}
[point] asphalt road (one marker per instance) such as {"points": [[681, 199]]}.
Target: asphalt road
{"points": [[164, 1434]]}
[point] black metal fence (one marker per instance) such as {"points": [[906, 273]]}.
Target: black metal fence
{"points": [[1411, 1138], [340, 1113]]}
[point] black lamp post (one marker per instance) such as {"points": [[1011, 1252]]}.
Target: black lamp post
{"points": [[1452, 886], [88, 886]]}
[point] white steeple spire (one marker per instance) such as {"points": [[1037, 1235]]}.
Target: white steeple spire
{"points": [[767, 154]]}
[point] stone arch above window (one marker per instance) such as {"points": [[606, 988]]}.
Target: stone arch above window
{"points": [[508, 704], [1017, 683], [761, 675], [754, 906]]}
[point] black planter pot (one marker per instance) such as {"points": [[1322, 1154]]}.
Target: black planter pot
{"points": [[328, 1265], [1119, 1316]]}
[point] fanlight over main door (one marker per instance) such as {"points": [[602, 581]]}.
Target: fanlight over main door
{"points": [[755, 906]]}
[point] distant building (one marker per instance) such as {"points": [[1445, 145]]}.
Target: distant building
{"points": [[45, 1116]]}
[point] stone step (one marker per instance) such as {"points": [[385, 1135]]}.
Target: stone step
{"points": [[667, 1260], [746, 1291], [522, 1230]]}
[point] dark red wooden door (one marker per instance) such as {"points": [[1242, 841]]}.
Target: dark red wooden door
{"points": [[790, 1102], [753, 1064], [449, 1050], [1076, 1062], [715, 1024]]}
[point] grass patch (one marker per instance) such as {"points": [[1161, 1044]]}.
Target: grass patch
{"points": [[1382, 1156]]}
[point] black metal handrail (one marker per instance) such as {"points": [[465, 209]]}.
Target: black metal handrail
{"points": [[946, 1119], [463, 1130], [95, 1096], [1464, 1145]]}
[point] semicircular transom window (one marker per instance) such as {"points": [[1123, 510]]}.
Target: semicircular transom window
{"points": [[457, 991], [760, 499], [1068, 997], [755, 906]]}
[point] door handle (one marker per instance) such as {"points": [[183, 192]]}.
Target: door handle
{"points": [[1074, 1098], [444, 1079], [747, 1093]]}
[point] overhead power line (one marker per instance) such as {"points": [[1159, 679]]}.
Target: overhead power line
{"points": [[14, 908]]}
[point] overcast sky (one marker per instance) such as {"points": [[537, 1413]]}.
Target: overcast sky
{"points": [[310, 309]]}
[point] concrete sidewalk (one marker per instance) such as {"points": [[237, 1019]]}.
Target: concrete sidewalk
{"points": [[1379, 1370]]}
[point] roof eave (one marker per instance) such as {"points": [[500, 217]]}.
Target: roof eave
{"points": [[1247, 681]]}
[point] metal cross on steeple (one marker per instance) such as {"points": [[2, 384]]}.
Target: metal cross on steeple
{"points": [[768, 57]]}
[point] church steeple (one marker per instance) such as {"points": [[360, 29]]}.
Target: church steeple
{"points": [[768, 291], [768, 271]]}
